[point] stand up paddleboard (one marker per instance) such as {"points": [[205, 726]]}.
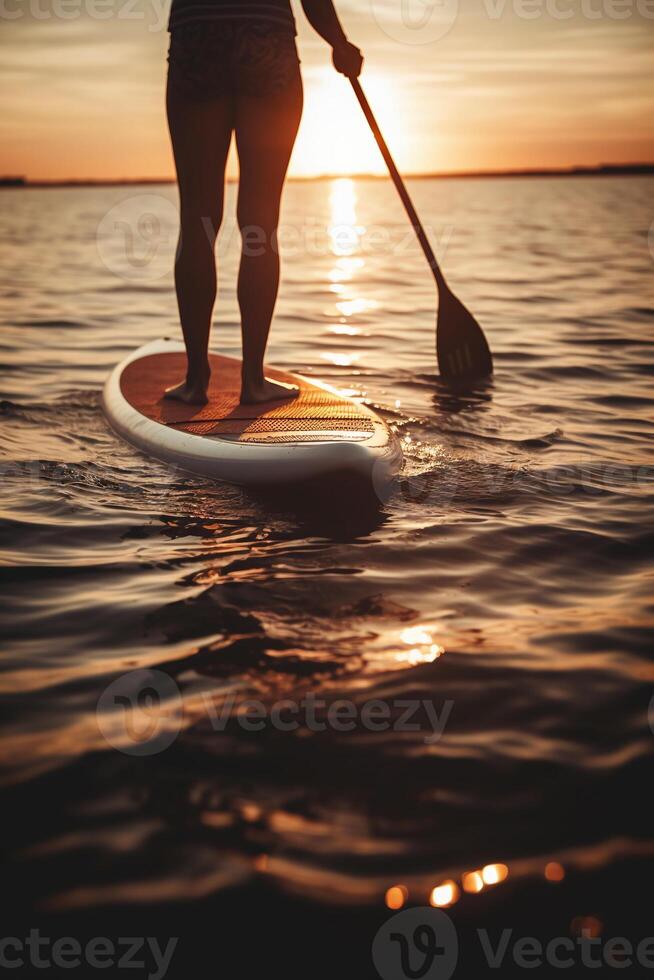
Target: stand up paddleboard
{"points": [[316, 434]]}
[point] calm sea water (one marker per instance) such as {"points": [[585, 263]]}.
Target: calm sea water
{"points": [[504, 582]]}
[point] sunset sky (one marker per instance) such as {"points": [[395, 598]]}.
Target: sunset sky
{"points": [[485, 84]]}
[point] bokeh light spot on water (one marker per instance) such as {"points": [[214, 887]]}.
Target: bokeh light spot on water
{"points": [[445, 894], [493, 874], [472, 882], [554, 871], [396, 896]]}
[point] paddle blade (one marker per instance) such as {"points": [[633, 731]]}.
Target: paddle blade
{"points": [[464, 356]]}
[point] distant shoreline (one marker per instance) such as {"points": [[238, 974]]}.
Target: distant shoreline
{"points": [[603, 170]]}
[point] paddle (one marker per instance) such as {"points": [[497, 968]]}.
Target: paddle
{"points": [[463, 353]]}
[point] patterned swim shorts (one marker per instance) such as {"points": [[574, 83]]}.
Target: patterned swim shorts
{"points": [[209, 60]]}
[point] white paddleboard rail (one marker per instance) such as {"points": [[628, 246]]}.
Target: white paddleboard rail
{"points": [[374, 454]]}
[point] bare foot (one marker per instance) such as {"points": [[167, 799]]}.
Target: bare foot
{"points": [[191, 394], [267, 391]]}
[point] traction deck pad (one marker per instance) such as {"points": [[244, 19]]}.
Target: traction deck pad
{"points": [[315, 410]]}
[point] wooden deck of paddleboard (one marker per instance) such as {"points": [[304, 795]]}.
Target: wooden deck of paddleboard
{"points": [[318, 434], [315, 414]]}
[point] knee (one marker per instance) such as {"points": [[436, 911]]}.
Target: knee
{"points": [[198, 219], [258, 227], [258, 209]]}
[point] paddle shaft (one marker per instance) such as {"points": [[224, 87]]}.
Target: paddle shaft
{"points": [[399, 184]]}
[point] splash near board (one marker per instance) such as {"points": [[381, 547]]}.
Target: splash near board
{"points": [[316, 434]]}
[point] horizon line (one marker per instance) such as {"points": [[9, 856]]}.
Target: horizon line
{"points": [[617, 169]]}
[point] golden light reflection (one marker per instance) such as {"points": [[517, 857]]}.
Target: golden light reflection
{"points": [[342, 202], [492, 874], [345, 268], [350, 306], [554, 871], [340, 360], [443, 895], [344, 232], [417, 656], [344, 236], [472, 882], [423, 649], [351, 392], [415, 634], [396, 896]]}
